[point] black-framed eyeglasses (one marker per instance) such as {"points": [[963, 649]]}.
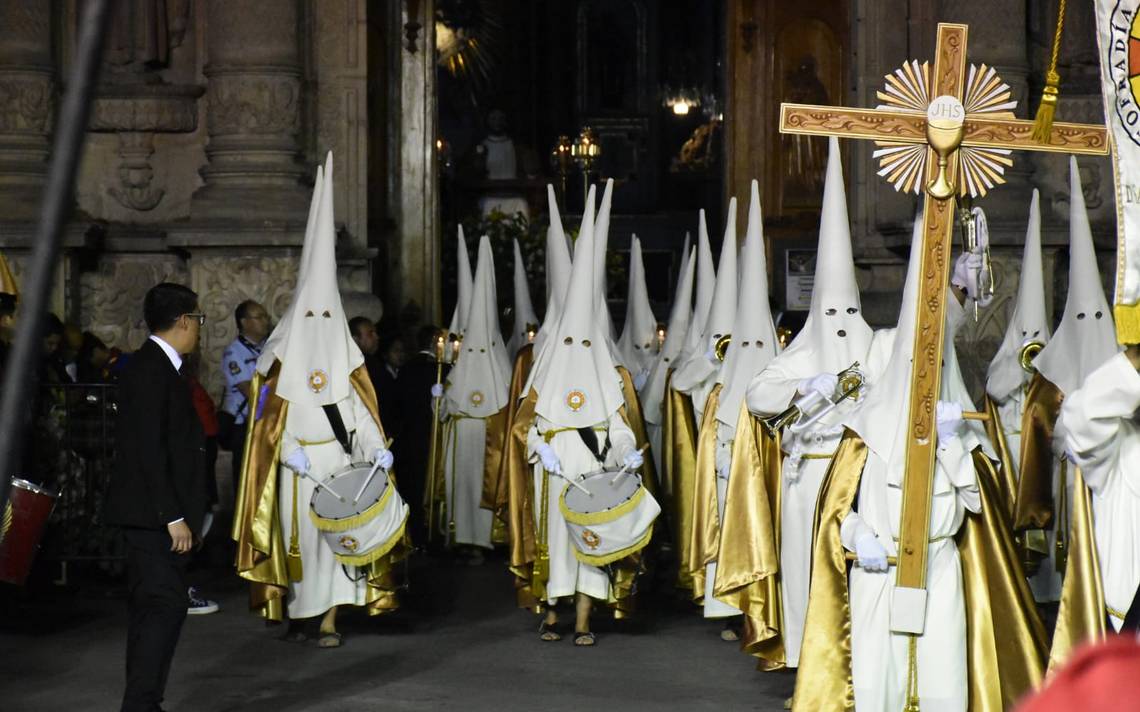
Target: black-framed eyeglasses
{"points": [[201, 318]]}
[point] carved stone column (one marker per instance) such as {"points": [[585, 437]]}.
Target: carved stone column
{"points": [[27, 102], [254, 102], [415, 194]]}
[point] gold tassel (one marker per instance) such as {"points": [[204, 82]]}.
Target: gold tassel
{"points": [[1043, 124], [293, 558], [912, 676]]}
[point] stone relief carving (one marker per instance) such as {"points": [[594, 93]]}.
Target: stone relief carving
{"points": [[135, 173], [26, 102], [222, 283], [263, 104], [111, 296]]}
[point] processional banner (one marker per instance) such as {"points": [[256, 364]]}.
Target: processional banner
{"points": [[1118, 39]]}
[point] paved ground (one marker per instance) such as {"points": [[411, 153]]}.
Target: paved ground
{"points": [[459, 644]]}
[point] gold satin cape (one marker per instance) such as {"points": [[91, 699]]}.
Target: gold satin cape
{"points": [[1033, 503], [261, 547], [495, 490], [1005, 640], [749, 553], [530, 590], [679, 434], [704, 535], [1081, 614]]}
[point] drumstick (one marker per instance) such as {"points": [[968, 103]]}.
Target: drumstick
{"points": [[625, 468], [588, 492], [321, 485], [371, 474]]}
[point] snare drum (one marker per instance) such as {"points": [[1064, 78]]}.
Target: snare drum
{"points": [[363, 532], [611, 522], [21, 527]]}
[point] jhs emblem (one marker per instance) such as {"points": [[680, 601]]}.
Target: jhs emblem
{"points": [[476, 398], [318, 380], [575, 400], [348, 543], [591, 539]]}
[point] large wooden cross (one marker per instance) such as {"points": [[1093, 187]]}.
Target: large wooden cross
{"points": [[944, 136]]}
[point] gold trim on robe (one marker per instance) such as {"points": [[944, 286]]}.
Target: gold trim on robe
{"points": [[260, 557], [749, 553], [704, 536], [1081, 614], [1033, 505], [1005, 640], [680, 437]]}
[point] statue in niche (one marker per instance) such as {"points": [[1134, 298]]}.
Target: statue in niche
{"points": [[804, 157], [500, 167], [142, 35], [698, 152]]}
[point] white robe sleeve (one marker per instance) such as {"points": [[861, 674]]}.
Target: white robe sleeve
{"points": [[533, 440], [622, 441], [852, 528], [771, 391], [1098, 420], [367, 438], [958, 464]]}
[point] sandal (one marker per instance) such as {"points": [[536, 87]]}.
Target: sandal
{"points": [[294, 636], [329, 640], [548, 632], [585, 640]]}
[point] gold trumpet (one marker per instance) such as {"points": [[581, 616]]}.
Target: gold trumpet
{"points": [[1026, 355], [720, 348], [850, 382]]}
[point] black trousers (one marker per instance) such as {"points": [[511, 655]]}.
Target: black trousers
{"points": [[156, 607]]}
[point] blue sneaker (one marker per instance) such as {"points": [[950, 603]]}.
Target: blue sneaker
{"points": [[200, 606]]}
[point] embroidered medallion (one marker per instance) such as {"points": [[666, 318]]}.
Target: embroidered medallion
{"points": [[575, 400], [476, 398], [591, 539], [318, 380], [349, 542]]}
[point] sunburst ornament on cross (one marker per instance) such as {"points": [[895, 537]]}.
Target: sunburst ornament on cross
{"points": [[945, 132]]}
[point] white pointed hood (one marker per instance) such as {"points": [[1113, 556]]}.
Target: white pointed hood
{"points": [[269, 349], [754, 342], [705, 277], [638, 343], [1086, 337], [313, 341], [601, 251], [464, 284], [653, 393], [574, 376], [882, 419], [1028, 321], [557, 273], [479, 383], [524, 309], [721, 314], [835, 334]]}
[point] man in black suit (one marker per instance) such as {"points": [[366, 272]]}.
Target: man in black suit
{"points": [[157, 492], [415, 397]]}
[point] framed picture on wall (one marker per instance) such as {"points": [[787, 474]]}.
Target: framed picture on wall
{"points": [[799, 277]]}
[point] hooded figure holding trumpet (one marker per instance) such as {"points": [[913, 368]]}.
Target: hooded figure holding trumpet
{"points": [[316, 413]]}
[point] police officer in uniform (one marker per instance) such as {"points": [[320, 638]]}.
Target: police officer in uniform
{"points": [[239, 361]]}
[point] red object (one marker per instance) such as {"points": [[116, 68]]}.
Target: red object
{"points": [[204, 404], [21, 528], [1104, 677]]}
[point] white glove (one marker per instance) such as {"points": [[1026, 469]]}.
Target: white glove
{"points": [[383, 457], [872, 555], [550, 461], [968, 277], [632, 460], [823, 384], [640, 379], [298, 461], [436, 390], [949, 417]]}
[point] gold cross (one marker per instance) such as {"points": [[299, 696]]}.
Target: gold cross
{"points": [[946, 136]]}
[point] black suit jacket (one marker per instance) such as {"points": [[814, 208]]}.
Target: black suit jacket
{"points": [[160, 448]]}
